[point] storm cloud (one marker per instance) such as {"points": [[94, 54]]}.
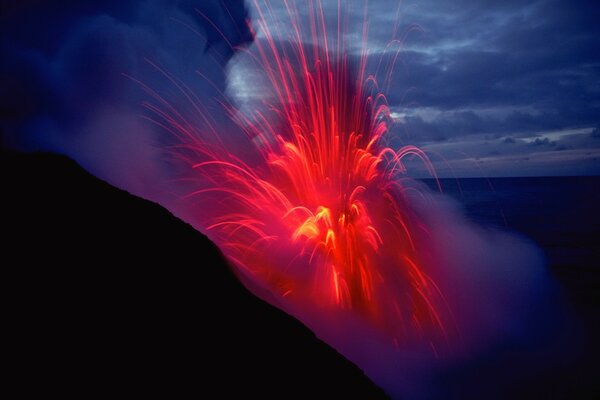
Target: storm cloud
{"points": [[473, 73], [484, 71], [471, 76]]}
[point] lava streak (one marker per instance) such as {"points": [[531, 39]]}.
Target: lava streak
{"points": [[303, 196]]}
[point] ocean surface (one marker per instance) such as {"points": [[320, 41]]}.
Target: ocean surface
{"points": [[560, 214]]}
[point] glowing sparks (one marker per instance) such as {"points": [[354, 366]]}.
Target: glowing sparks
{"points": [[309, 201]]}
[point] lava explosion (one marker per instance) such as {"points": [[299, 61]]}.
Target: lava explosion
{"points": [[312, 205]]}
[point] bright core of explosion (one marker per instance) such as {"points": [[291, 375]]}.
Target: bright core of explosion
{"points": [[304, 196]]}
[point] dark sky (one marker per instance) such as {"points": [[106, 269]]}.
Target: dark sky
{"points": [[493, 87], [490, 88], [513, 84]]}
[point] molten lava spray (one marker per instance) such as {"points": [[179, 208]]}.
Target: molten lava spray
{"points": [[313, 206], [315, 211]]}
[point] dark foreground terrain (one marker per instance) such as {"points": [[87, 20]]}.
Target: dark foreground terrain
{"points": [[110, 295]]}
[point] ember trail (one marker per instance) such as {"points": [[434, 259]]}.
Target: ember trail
{"points": [[309, 201]]}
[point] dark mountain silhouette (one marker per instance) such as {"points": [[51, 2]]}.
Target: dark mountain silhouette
{"points": [[110, 294]]}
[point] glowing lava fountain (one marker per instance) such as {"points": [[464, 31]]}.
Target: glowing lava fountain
{"points": [[303, 196]]}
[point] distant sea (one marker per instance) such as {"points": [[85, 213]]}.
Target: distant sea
{"points": [[560, 214]]}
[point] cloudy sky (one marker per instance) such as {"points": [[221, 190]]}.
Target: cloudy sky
{"points": [[511, 85], [493, 88]]}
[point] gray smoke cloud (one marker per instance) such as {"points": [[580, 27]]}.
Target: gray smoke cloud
{"points": [[73, 77]]}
